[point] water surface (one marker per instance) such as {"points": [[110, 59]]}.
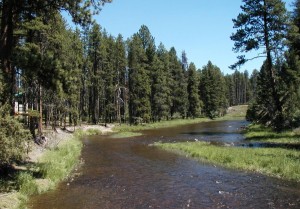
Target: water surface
{"points": [[128, 173]]}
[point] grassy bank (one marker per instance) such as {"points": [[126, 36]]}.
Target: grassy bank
{"points": [[54, 166], [161, 124], [277, 162], [259, 133], [126, 130], [234, 113], [125, 134]]}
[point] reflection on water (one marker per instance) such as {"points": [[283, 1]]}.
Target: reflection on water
{"points": [[127, 173]]}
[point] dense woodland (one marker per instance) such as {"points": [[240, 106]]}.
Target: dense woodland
{"points": [[66, 76], [54, 75]]}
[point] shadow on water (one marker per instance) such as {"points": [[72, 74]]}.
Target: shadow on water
{"points": [[128, 173]]}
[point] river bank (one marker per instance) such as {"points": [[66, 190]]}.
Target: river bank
{"points": [[125, 130], [263, 151], [29, 182], [275, 162], [47, 164], [130, 173]]}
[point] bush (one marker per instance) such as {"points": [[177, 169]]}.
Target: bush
{"points": [[14, 141]]}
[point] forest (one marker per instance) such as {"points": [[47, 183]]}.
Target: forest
{"points": [[54, 75], [59, 75]]}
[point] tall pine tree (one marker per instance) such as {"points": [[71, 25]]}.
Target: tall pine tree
{"points": [[139, 83], [262, 23], [194, 108]]}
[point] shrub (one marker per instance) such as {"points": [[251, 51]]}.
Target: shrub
{"points": [[14, 141]]}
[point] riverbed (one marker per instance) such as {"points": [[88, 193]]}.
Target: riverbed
{"points": [[129, 173]]}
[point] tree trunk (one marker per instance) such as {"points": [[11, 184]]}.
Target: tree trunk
{"points": [[270, 69], [40, 123]]}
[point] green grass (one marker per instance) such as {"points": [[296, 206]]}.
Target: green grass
{"points": [[236, 112], [92, 131], [54, 166], [277, 162], [125, 135], [260, 133], [26, 184], [161, 124]]}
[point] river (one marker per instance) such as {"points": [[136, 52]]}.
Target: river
{"points": [[128, 173]]}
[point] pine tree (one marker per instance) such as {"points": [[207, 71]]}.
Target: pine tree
{"points": [[262, 23], [178, 86], [212, 91], [139, 83], [95, 64], [15, 13], [253, 84], [121, 80], [290, 71], [160, 90], [261, 109], [165, 90], [193, 92]]}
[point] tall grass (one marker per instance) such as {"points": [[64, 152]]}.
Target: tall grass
{"points": [[26, 184], [277, 162], [56, 164]]}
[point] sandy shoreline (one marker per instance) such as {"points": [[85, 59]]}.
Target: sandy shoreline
{"points": [[54, 138]]}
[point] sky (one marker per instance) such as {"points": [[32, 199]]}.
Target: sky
{"points": [[201, 28]]}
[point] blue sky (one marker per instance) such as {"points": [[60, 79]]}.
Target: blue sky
{"points": [[200, 27]]}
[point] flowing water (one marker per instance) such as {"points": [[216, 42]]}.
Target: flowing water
{"points": [[128, 173]]}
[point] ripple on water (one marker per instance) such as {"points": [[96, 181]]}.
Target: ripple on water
{"points": [[127, 173]]}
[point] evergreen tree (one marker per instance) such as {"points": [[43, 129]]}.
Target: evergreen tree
{"points": [[178, 85], [163, 89], [121, 80], [39, 60], [160, 91], [262, 23], [253, 84], [148, 43], [290, 72], [107, 76], [193, 92], [261, 109], [15, 13], [212, 91], [239, 88], [139, 83], [94, 70]]}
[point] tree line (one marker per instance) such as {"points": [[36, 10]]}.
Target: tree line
{"points": [[59, 76], [267, 27], [54, 75]]}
